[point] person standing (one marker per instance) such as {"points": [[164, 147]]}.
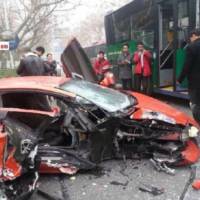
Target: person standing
{"points": [[142, 70], [124, 64], [101, 65], [191, 71], [32, 64], [51, 64]]}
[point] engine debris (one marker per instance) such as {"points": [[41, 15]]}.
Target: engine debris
{"points": [[151, 189]]}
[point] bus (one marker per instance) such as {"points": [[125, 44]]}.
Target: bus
{"points": [[163, 26]]}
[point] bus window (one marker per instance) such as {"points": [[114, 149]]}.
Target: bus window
{"points": [[183, 14], [132, 22], [143, 25], [183, 23], [122, 29]]}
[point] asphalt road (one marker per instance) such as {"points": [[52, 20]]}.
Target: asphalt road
{"points": [[121, 180]]}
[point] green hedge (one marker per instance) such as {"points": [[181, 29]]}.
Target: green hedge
{"points": [[7, 72]]}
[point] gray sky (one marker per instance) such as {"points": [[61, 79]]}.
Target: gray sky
{"points": [[70, 22], [88, 7]]}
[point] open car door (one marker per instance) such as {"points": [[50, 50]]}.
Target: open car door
{"points": [[75, 61]]}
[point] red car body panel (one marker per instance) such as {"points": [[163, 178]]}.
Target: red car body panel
{"points": [[191, 153], [31, 82], [19, 110], [149, 103], [9, 168]]}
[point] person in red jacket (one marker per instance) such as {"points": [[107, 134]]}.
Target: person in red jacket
{"points": [[101, 65], [142, 69]]}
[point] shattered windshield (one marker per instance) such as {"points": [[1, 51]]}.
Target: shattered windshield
{"points": [[108, 99]]}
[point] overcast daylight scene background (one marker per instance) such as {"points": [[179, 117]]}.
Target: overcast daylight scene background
{"points": [[52, 23]]}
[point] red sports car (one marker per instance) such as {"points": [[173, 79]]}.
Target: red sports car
{"points": [[62, 125]]}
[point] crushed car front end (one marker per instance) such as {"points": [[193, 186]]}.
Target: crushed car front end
{"points": [[136, 125]]}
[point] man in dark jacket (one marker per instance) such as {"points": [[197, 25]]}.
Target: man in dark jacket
{"points": [[125, 72], [51, 65], [191, 71], [32, 64]]}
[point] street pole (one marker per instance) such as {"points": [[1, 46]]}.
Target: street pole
{"points": [[197, 13], [8, 28]]}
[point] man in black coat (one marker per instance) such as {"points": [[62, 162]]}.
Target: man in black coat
{"points": [[191, 71], [32, 64], [51, 65]]}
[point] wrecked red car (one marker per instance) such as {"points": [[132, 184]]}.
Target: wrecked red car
{"points": [[62, 125]]}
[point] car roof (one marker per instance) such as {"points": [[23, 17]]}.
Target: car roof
{"points": [[32, 82]]}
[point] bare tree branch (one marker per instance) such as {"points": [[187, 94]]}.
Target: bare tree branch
{"points": [[32, 20], [74, 6], [36, 8]]}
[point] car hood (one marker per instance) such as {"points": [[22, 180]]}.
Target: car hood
{"points": [[75, 61], [146, 103]]}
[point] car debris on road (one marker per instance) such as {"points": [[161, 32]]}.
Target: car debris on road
{"points": [[151, 189]]}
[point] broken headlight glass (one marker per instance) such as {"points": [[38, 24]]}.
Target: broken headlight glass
{"points": [[158, 116]]}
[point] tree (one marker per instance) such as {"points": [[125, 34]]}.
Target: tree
{"points": [[32, 20]]}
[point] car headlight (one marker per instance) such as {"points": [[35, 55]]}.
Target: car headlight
{"points": [[193, 132], [158, 116], [189, 132]]}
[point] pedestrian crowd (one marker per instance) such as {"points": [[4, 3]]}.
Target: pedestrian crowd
{"points": [[42, 67], [141, 60]]}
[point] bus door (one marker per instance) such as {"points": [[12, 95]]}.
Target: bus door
{"points": [[184, 24], [165, 43]]}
